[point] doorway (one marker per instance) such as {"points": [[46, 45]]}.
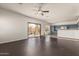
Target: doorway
{"points": [[34, 29]]}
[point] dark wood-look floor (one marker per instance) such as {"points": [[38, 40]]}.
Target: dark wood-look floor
{"points": [[35, 47]]}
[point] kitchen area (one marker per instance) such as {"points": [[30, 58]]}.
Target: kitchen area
{"points": [[68, 37]]}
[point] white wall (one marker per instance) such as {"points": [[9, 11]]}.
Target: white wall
{"points": [[13, 26]]}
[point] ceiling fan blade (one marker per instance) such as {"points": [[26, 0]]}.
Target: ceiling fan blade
{"points": [[45, 11], [40, 6]]}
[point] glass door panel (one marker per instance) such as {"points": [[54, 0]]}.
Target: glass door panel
{"points": [[34, 30]]}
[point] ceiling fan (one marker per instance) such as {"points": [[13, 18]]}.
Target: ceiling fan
{"points": [[40, 10]]}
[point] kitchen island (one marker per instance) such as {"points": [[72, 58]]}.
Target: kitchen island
{"points": [[74, 34]]}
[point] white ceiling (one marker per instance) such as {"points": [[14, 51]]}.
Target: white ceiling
{"points": [[58, 12]]}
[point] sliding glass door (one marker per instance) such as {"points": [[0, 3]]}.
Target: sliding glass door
{"points": [[34, 29]]}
